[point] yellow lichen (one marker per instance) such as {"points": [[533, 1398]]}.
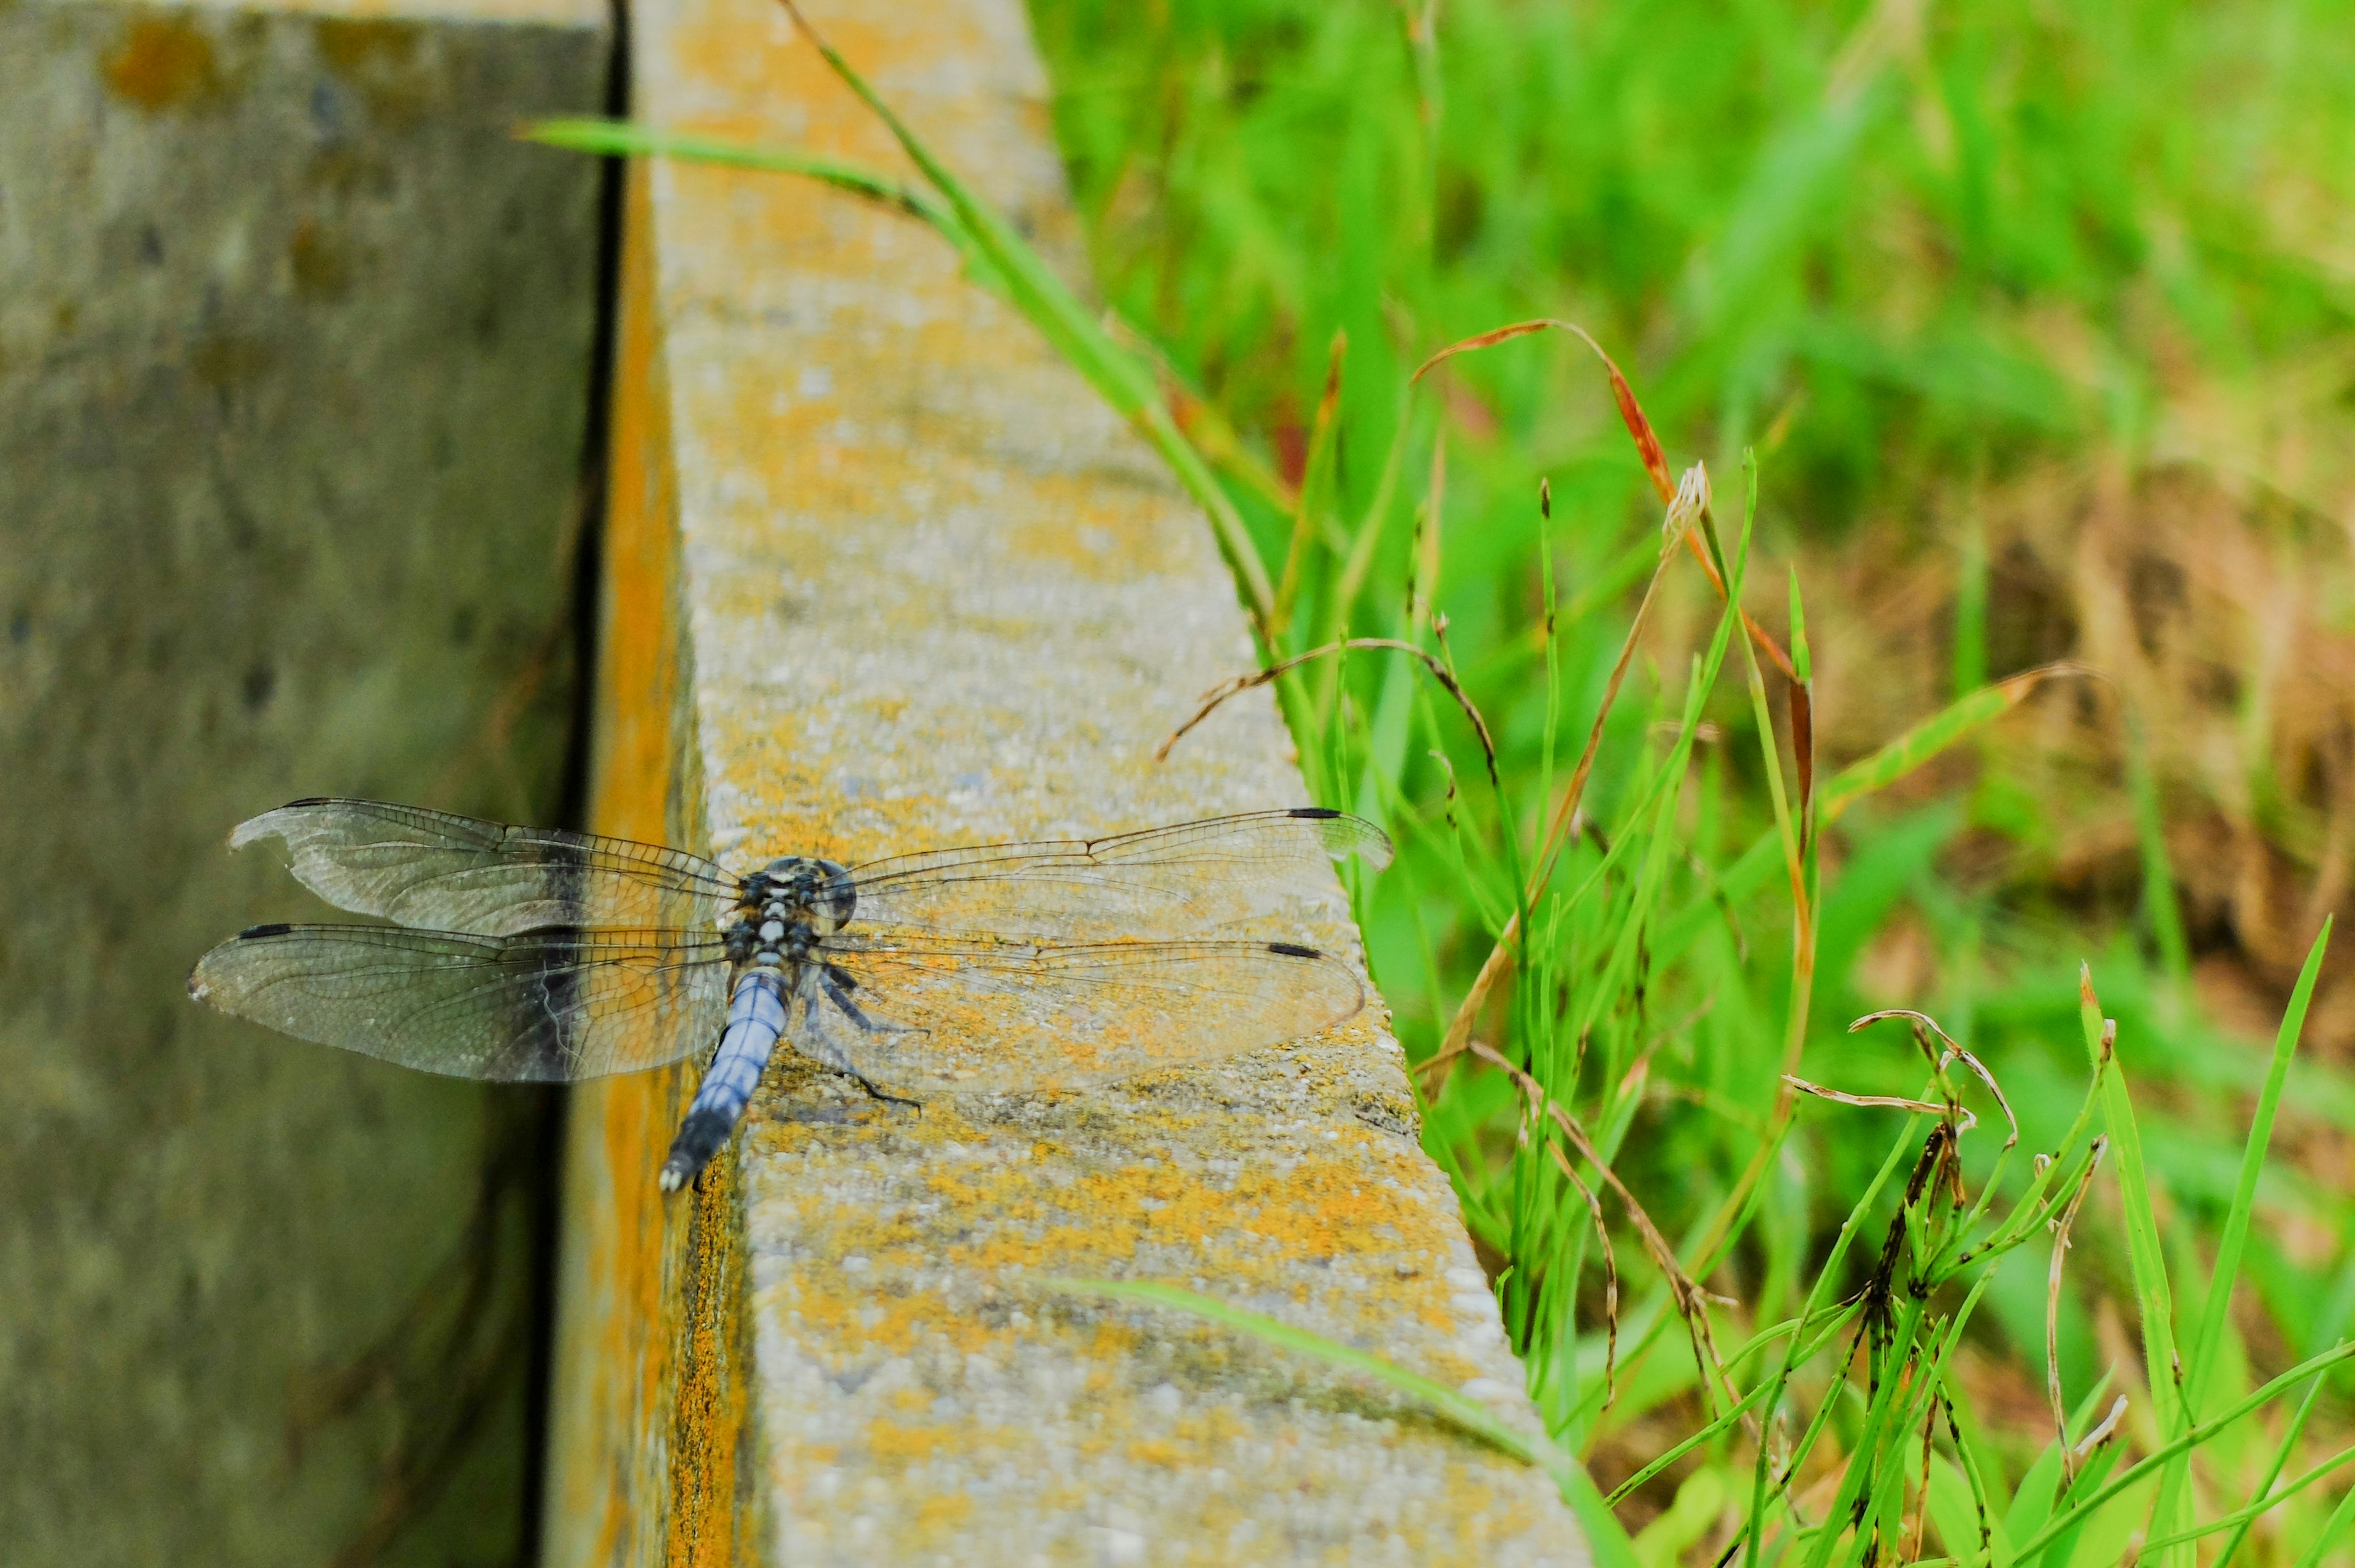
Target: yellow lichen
{"points": [[162, 63]]}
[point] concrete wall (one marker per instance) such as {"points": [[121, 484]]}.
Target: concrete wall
{"points": [[295, 350]]}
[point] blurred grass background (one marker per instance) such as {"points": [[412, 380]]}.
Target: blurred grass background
{"points": [[2041, 321]]}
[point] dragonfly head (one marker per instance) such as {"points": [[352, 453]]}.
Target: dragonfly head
{"points": [[821, 887]]}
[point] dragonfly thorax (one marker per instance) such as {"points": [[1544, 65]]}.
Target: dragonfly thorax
{"points": [[776, 935]]}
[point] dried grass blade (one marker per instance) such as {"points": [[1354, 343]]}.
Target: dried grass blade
{"points": [[1639, 429], [1558, 833], [1217, 694], [1979, 1069], [1954, 1051], [1687, 507], [1803, 708], [1691, 1301], [1921, 1495], [1881, 1102], [1610, 1274], [1631, 412], [1803, 751], [2052, 1316]]}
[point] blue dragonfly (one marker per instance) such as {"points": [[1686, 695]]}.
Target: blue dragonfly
{"points": [[530, 954]]}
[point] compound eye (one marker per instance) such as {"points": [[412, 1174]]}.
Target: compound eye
{"points": [[837, 895]]}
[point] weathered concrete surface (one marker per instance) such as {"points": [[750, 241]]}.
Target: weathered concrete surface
{"points": [[885, 575], [295, 350]]}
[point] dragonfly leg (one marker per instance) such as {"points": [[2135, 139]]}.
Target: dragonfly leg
{"points": [[877, 1091], [838, 986], [838, 993]]}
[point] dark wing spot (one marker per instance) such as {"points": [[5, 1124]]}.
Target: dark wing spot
{"points": [[308, 800], [256, 933], [543, 1042], [1294, 950], [1316, 813]]}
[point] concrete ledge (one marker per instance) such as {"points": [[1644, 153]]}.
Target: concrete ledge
{"points": [[886, 576]]}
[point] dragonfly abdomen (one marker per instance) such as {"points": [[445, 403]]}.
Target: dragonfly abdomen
{"points": [[756, 1019]]}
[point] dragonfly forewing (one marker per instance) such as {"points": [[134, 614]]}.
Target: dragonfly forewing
{"points": [[1213, 877], [435, 871]]}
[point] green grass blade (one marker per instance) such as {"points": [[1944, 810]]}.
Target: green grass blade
{"points": [[2062, 1550], [1749, 1401], [2163, 1368], [1869, 1452], [2031, 1499], [2251, 1512], [1987, 1513], [996, 254], [2230, 1245], [2150, 1464], [1606, 1541], [1124, 381], [1461, 1410], [1827, 1278], [2264, 1487], [1661, 837], [1802, 663], [2174, 1487], [2332, 1529], [623, 139], [1924, 742], [2144, 1255], [1931, 736]]}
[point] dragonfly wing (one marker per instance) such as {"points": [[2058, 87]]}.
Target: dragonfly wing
{"points": [[1004, 1018], [435, 872], [543, 1007], [1196, 878]]}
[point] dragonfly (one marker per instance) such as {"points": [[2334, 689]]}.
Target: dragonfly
{"points": [[534, 954]]}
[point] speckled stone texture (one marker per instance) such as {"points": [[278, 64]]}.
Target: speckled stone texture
{"points": [[294, 363], [926, 590]]}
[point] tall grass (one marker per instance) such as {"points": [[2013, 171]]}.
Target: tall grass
{"points": [[1778, 1282]]}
